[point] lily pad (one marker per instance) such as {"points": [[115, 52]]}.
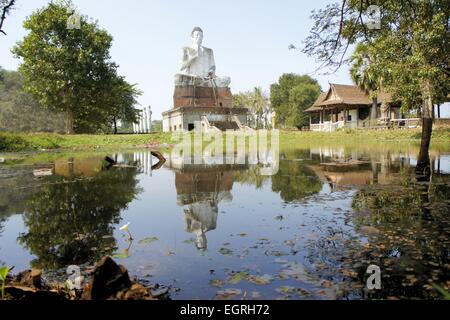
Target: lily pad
{"points": [[120, 256]]}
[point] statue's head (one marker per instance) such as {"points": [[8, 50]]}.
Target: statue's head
{"points": [[197, 36]]}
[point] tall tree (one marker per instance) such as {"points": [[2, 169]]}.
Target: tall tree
{"points": [[5, 8], [123, 99], [412, 45], [66, 69], [291, 96]]}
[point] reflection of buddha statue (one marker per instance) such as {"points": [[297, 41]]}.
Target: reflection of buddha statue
{"points": [[198, 65], [200, 194], [201, 217]]}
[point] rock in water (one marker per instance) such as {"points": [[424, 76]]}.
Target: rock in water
{"points": [[108, 279]]}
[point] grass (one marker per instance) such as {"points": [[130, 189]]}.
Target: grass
{"points": [[10, 142]]}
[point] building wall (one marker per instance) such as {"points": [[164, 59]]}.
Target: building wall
{"points": [[172, 122], [181, 121]]}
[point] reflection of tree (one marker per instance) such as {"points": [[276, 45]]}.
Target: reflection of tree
{"points": [[412, 243], [250, 177], [70, 222], [295, 180]]}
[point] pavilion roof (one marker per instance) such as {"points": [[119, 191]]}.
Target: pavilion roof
{"points": [[346, 95]]}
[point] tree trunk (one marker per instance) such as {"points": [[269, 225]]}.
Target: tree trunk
{"points": [[70, 129], [115, 125], [373, 112], [439, 111], [423, 162]]}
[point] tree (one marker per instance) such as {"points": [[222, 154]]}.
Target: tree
{"points": [[5, 8], [413, 51], [67, 70], [365, 76], [257, 102], [291, 96], [122, 100], [19, 112]]}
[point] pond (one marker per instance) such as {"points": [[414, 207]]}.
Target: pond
{"points": [[216, 231]]}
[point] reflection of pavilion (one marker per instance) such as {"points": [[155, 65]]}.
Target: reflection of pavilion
{"points": [[200, 189], [358, 168]]}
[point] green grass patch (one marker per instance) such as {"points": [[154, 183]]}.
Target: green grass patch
{"points": [[10, 142]]}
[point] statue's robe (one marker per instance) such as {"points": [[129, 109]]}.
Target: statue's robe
{"points": [[199, 72]]}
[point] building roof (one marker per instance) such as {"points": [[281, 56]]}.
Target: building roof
{"points": [[350, 95]]}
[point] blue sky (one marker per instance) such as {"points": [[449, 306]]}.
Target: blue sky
{"points": [[250, 39]]}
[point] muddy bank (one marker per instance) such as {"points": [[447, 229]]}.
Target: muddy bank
{"points": [[107, 281]]}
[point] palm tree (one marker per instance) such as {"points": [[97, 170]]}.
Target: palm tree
{"points": [[365, 76], [259, 105]]}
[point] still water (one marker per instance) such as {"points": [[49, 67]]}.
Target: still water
{"points": [[212, 231]]}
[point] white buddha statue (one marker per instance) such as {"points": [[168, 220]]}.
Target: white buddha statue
{"points": [[198, 65]]}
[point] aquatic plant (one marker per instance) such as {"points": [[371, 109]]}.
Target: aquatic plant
{"points": [[3, 274]]}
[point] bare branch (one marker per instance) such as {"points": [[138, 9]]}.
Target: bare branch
{"points": [[5, 12]]}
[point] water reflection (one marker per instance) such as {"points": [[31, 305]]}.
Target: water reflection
{"points": [[200, 189], [342, 209], [70, 217]]}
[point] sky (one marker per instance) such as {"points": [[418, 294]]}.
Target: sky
{"points": [[250, 39]]}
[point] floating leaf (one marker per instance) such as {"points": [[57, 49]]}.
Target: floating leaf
{"points": [[226, 251], [228, 294], [281, 261], [148, 240], [286, 290], [296, 271], [260, 280], [120, 256], [237, 277], [242, 234], [189, 241], [216, 283], [276, 253]]}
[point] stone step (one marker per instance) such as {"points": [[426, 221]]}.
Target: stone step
{"points": [[225, 125]]}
